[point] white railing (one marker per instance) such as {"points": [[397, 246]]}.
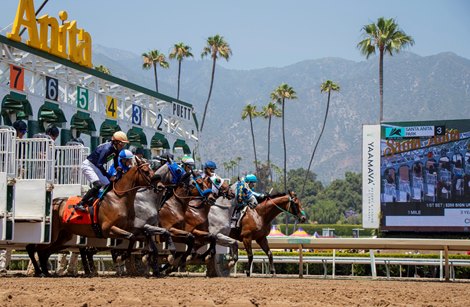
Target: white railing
{"points": [[35, 159]]}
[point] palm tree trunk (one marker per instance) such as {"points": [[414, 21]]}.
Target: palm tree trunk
{"points": [[210, 92], [179, 74], [285, 150], [254, 145], [156, 76], [316, 144], [381, 83], [269, 150]]}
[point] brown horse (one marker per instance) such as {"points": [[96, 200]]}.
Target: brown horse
{"points": [[115, 216], [256, 223], [197, 222], [172, 214]]}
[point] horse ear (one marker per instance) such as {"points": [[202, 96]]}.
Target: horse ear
{"points": [[137, 159]]}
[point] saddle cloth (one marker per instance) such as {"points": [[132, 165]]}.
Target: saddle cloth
{"points": [[72, 216]]}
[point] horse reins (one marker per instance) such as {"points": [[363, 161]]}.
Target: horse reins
{"points": [[121, 193]]}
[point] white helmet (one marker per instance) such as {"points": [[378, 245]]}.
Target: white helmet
{"points": [[187, 160]]}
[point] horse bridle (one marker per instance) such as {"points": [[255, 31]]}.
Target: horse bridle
{"points": [[147, 179]]}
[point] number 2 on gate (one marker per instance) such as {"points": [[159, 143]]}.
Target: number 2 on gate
{"points": [[111, 107]]}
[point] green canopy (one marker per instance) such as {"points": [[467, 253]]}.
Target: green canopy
{"points": [[107, 129], [15, 103], [137, 137], [182, 144], [159, 141], [81, 121], [51, 113]]}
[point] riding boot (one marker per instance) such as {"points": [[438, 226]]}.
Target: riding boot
{"points": [[91, 194], [235, 217]]}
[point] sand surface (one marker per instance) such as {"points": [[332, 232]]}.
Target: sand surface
{"points": [[239, 291]]}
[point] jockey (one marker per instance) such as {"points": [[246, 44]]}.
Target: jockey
{"points": [[245, 196], [52, 132], [124, 161], [93, 166], [209, 169], [187, 163]]}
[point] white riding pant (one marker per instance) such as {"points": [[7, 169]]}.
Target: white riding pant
{"points": [[92, 173]]}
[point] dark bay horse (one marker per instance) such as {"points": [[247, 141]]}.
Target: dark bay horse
{"points": [[256, 223], [115, 216], [197, 221]]}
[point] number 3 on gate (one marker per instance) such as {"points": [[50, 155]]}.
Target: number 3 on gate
{"points": [[111, 107]]}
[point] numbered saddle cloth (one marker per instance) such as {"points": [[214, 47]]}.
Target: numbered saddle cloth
{"points": [[72, 216]]}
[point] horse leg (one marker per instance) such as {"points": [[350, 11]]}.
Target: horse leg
{"points": [[206, 236], [233, 244], [154, 256], [117, 266], [85, 264], [31, 249], [128, 258], [121, 232], [43, 261], [165, 234], [249, 252], [90, 252], [263, 243]]}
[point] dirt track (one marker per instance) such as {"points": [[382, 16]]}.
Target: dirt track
{"points": [[240, 291]]}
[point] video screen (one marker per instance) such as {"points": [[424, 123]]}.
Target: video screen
{"points": [[425, 176]]}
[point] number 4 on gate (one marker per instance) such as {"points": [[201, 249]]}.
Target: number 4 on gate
{"points": [[111, 107]]}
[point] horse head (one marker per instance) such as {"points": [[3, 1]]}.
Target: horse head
{"points": [[220, 188], [295, 207]]}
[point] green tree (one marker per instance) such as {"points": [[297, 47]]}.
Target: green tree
{"points": [[153, 58], [180, 51], [387, 37], [103, 69], [249, 111], [268, 112], [326, 86], [215, 46], [280, 94]]}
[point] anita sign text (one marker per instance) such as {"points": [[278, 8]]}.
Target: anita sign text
{"points": [[65, 40]]}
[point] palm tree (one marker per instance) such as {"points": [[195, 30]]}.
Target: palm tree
{"points": [[180, 51], [238, 159], [386, 36], [268, 112], [216, 46], [326, 86], [103, 69], [280, 94], [152, 59], [249, 111]]}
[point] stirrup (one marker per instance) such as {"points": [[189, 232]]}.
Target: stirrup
{"points": [[80, 207]]}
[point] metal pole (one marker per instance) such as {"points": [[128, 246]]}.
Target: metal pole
{"points": [[441, 266], [334, 264], [301, 261], [446, 255], [372, 264]]}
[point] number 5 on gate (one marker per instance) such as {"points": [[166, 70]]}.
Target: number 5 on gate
{"points": [[111, 107]]}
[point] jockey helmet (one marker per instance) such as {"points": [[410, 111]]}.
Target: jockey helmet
{"points": [[210, 164], [187, 160], [120, 136], [52, 130], [20, 125], [251, 178], [126, 154]]}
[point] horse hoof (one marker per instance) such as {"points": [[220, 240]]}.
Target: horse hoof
{"points": [[247, 273], [171, 259]]}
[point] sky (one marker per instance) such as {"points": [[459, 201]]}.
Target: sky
{"points": [[261, 33]]}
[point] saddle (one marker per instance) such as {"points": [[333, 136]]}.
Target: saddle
{"points": [[89, 217], [237, 218]]}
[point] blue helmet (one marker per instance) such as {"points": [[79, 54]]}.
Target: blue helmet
{"points": [[210, 164], [251, 178], [126, 154]]}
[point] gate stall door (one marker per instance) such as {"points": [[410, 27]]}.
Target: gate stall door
{"points": [[33, 190], [68, 178], [7, 173]]}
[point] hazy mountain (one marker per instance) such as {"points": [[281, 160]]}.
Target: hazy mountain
{"points": [[415, 88]]}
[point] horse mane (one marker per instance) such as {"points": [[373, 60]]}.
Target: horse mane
{"points": [[277, 195]]}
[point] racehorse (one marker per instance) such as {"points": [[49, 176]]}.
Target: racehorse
{"points": [[197, 221], [172, 214], [256, 223], [115, 216]]}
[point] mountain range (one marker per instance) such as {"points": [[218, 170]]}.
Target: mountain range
{"points": [[415, 88]]}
